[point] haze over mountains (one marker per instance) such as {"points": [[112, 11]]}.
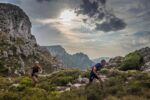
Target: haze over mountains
{"points": [[78, 60], [97, 60]]}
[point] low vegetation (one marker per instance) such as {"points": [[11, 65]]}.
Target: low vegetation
{"points": [[132, 61], [120, 85]]}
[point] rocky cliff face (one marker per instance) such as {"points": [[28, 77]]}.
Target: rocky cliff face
{"points": [[145, 52], [18, 47], [78, 60]]}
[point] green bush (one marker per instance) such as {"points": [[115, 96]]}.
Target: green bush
{"points": [[73, 95], [94, 92], [64, 77], [62, 80], [4, 83], [46, 86], [132, 61], [3, 70], [105, 71], [34, 94], [134, 87], [9, 96], [131, 97], [85, 74], [26, 81]]}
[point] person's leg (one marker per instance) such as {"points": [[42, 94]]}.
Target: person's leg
{"points": [[91, 78], [35, 80], [101, 82]]}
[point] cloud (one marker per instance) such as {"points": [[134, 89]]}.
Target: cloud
{"points": [[113, 25], [12, 1], [103, 19], [45, 0]]}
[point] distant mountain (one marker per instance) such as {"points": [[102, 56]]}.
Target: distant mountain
{"points": [[78, 60], [97, 60]]}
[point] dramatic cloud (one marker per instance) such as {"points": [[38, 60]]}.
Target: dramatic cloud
{"points": [[86, 33], [113, 24], [46, 0], [102, 18]]}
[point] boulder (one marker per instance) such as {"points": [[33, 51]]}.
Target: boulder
{"points": [[115, 62], [146, 67], [10, 52], [5, 54]]}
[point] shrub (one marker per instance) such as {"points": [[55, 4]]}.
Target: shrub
{"points": [[134, 87], [26, 81], [131, 97], [132, 61], [46, 86], [4, 83], [3, 70], [34, 94], [111, 98], [73, 95], [62, 80], [85, 74], [9, 96], [94, 92], [64, 77], [105, 71]]}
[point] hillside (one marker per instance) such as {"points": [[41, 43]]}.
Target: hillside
{"points": [[137, 60], [78, 60], [18, 47]]}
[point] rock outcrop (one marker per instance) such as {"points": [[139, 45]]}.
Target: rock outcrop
{"points": [[115, 62], [145, 53], [18, 47]]}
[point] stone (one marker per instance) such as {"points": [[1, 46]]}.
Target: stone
{"points": [[115, 62], [146, 67], [18, 51], [10, 52], [5, 54], [21, 66], [69, 84]]}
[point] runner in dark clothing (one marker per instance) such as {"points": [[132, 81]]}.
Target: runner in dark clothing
{"points": [[93, 73], [35, 70]]}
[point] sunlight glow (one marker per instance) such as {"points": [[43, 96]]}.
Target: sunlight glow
{"points": [[67, 15]]}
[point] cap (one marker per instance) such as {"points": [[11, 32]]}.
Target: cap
{"points": [[37, 62]]}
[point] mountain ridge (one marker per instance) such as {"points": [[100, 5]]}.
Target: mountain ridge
{"points": [[77, 60]]}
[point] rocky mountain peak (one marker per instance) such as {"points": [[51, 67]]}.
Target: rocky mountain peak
{"points": [[14, 21], [18, 45]]}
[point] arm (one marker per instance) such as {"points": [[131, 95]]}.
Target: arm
{"points": [[40, 68], [94, 70]]}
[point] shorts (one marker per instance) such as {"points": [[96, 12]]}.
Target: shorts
{"points": [[92, 76], [34, 74]]}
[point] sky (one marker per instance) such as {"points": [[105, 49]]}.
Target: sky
{"points": [[98, 28]]}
